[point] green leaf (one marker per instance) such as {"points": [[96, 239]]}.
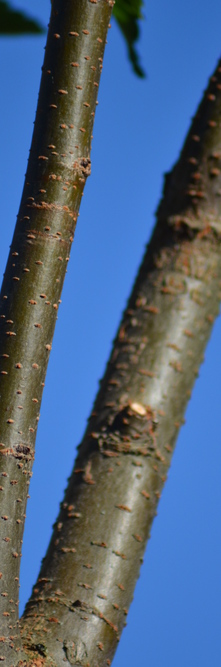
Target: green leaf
{"points": [[127, 14], [14, 22]]}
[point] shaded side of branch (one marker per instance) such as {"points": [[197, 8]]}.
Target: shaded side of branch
{"points": [[58, 166], [79, 604]]}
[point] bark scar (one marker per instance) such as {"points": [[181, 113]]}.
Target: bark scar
{"points": [[133, 431]]}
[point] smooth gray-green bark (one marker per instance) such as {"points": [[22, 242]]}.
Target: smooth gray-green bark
{"points": [[80, 601], [58, 166]]}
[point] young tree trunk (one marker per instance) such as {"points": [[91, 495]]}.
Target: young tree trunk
{"points": [[87, 579], [58, 166], [80, 601]]}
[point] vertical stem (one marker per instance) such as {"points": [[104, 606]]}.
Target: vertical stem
{"points": [[80, 601], [58, 166]]}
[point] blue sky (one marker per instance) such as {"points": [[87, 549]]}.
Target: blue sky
{"points": [[139, 130]]}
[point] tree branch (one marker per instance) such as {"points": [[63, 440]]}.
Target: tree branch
{"points": [[58, 166], [80, 601]]}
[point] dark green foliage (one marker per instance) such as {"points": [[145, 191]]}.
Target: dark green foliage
{"points": [[127, 14], [13, 22]]}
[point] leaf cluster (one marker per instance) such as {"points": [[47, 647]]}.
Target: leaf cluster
{"points": [[14, 22], [128, 14]]}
